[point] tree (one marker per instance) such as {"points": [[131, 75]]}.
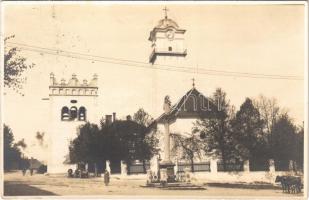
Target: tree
{"points": [[248, 132], [189, 147], [216, 130], [14, 67], [284, 143], [269, 111], [142, 117], [12, 155], [299, 151], [130, 141], [86, 147], [121, 140]]}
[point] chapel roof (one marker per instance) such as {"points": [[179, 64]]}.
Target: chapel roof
{"points": [[184, 108]]}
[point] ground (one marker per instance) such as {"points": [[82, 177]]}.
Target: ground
{"points": [[15, 185]]}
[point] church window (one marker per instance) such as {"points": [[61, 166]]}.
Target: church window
{"points": [[82, 114], [65, 113], [73, 113], [170, 48]]}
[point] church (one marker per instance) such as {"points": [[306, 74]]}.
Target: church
{"points": [[72, 103], [168, 48]]}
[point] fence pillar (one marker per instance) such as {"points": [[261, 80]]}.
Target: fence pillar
{"points": [[272, 171], [124, 168], [272, 168], [291, 165], [246, 166], [108, 168], [213, 166]]}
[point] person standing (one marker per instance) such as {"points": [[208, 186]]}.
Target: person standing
{"points": [[106, 178], [24, 171]]}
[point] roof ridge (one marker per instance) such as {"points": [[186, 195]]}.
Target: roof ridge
{"points": [[186, 97]]}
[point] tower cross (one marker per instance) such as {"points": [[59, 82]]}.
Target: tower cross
{"points": [[165, 12], [193, 84]]}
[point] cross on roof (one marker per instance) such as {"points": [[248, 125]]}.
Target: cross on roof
{"points": [[165, 12], [193, 84]]}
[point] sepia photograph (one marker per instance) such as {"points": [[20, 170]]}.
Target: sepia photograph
{"points": [[154, 99]]}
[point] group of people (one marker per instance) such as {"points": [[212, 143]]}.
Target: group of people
{"points": [[84, 174], [24, 171]]}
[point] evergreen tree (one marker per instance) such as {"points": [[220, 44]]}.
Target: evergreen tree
{"points": [[248, 132], [284, 142]]}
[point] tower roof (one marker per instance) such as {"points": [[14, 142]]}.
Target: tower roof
{"points": [[166, 23]]}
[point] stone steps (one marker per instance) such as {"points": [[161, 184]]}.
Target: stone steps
{"points": [[176, 186]]}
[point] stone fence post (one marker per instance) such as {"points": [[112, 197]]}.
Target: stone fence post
{"points": [[108, 168], [247, 166], [272, 168], [124, 168], [213, 166], [291, 165]]}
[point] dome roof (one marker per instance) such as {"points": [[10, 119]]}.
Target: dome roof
{"points": [[166, 22]]}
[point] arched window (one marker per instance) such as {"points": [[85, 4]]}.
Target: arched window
{"points": [[82, 114], [73, 113], [170, 48], [65, 113]]}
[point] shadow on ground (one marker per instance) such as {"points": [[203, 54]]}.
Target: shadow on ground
{"points": [[13, 188], [244, 186]]}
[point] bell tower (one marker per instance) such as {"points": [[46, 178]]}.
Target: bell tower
{"points": [[72, 103], [167, 41]]}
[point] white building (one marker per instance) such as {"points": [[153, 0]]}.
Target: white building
{"points": [[72, 103]]}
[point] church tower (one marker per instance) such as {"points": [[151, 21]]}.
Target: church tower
{"points": [[72, 103], [167, 42]]}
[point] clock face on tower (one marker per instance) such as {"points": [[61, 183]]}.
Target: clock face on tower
{"points": [[170, 34]]}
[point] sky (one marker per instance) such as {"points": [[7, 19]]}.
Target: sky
{"points": [[265, 39]]}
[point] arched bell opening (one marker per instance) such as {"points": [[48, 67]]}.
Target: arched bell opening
{"points": [[65, 115], [73, 113], [82, 114]]}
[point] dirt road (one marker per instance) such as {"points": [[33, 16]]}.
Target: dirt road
{"points": [[17, 185]]}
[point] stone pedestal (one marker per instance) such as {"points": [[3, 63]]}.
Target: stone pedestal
{"points": [[163, 175], [187, 175], [168, 168]]}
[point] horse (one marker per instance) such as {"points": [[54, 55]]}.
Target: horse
{"points": [[290, 184]]}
